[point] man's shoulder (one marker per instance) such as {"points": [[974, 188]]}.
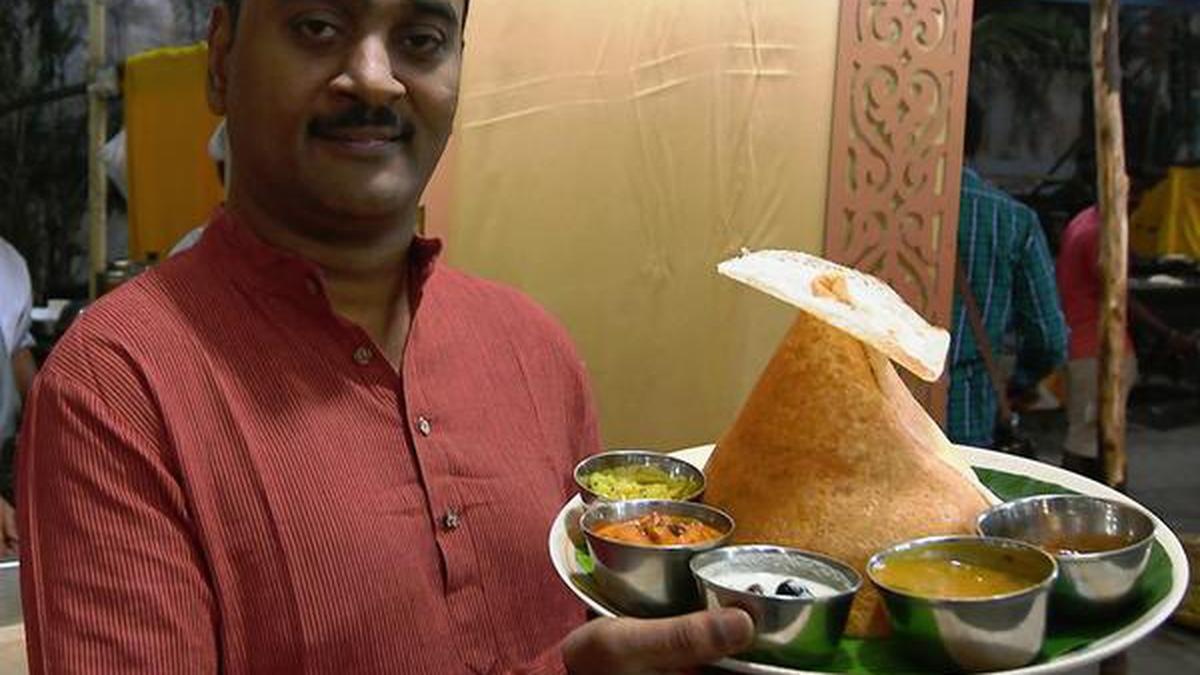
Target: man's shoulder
{"points": [[1081, 233], [1084, 222], [500, 304], [125, 327], [7, 249], [16, 297], [978, 188], [12, 263], [487, 293]]}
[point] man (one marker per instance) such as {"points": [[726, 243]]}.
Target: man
{"points": [[9, 401], [16, 315], [17, 369], [1004, 255], [1080, 284], [307, 446], [9, 538]]}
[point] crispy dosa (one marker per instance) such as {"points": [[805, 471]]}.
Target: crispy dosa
{"points": [[856, 303], [831, 453]]}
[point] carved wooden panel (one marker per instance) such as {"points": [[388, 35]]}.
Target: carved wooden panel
{"points": [[896, 152]]}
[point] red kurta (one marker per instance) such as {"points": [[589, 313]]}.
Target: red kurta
{"points": [[220, 475]]}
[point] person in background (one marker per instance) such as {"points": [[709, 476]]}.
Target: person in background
{"points": [[1080, 284], [1004, 254], [308, 445], [17, 370], [9, 538]]}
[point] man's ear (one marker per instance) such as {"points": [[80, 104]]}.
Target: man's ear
{"points": [[220, 42]]}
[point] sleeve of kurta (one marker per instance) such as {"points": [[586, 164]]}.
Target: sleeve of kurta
{"points": [[112, 578]]}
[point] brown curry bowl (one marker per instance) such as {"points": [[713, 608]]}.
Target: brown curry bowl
{"points": [[1102, 547], [645, 579], [991, 629]]}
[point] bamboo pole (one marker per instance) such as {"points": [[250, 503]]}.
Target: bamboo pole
{"points": [[1113, 188], [97, 133]]}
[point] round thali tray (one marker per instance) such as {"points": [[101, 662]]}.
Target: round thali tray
{"points": [[1009, 477]]}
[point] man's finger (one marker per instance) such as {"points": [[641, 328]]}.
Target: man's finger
{"points": [[685, 641]]}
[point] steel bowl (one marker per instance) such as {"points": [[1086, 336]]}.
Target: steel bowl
{"points": [[789, 631], [1089, 584], [643, 580], [672, 466], [996, 632]]}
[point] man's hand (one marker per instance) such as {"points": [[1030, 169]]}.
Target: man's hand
{"points": [[1021, 399], [8, 530], [24, 368], [650, 646]]}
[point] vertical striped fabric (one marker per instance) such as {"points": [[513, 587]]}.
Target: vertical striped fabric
{"points": [[1004, 253], [220, 475]]}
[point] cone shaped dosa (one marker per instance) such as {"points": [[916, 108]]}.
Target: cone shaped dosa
{"points": [[831, 453]]}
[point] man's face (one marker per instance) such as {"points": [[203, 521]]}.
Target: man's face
{"points": [[338, 110]]}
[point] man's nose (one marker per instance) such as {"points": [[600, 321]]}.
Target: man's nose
{"points": [[369, 75]]}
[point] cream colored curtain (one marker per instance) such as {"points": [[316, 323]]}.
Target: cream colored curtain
{"points": [[610, 153]]}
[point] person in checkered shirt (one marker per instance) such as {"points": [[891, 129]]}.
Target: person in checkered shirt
{"points": [[1004, 254]]}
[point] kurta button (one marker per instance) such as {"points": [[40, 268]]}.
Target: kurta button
{"points": [[362, 355], [424, 426], [451, 520]]}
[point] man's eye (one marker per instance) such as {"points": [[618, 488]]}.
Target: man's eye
{"points": [[316, 30], [423, 44]]}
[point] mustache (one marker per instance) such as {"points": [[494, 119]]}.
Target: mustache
{"points": [[359, 116]]}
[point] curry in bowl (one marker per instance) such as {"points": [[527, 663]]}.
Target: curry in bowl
{"points": [[959, 569], [659, 529], [626, 475], [634, 481], [951, 576], [966, 604]]}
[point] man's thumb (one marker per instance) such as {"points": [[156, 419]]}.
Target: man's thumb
{"points": [[690, 640]]}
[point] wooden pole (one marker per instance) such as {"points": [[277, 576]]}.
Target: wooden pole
{"points": [[97, 134], [1113, 189]]}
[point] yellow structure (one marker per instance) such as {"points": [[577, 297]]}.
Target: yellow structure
{"points": [[173, 184], [610, 154], [1168, 220]]}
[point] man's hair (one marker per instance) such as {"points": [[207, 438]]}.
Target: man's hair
{"points": [[973, 133]]}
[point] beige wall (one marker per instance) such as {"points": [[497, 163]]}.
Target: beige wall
{"points": [[611, 152]]}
